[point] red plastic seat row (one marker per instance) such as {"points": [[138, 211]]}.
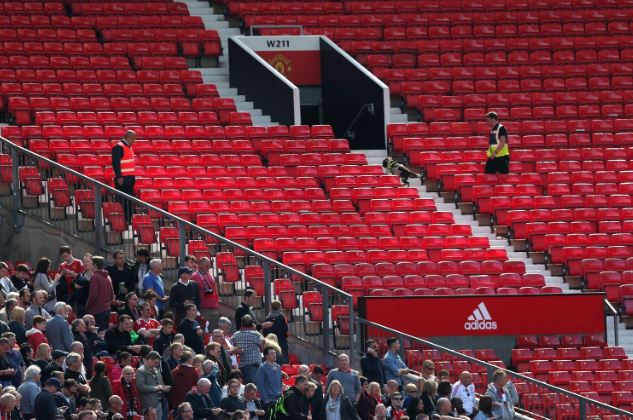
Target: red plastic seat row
{"points": [[46, 75], [67, 62], [135, 22], [152, 8]]}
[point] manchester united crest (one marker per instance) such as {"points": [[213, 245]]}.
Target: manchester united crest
{"points": [[281, 64]]}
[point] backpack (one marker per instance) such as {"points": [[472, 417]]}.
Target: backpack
{"points": [[277, 411]]}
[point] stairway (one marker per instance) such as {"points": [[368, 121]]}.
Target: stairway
{"points": [[375, 157], [219, 76]]}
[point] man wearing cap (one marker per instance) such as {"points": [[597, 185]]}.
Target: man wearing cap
{"points": [[55, 365], [44, 406], [183, 293], [124, 168]]}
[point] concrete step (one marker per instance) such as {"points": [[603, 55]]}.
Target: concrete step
{"points": [[399, 118], [261, 120]]}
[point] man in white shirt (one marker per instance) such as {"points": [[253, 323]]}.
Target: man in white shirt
{"points": [[6, 285], [464, 389]]}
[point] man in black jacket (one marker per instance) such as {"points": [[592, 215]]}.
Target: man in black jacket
{"points": [[183, 292], [121, 275], [119, 337], [165, 336], [45, 407], [200, 401], [371, 365], [295, 405], [246, 308], [316, 402], [279, 327]]}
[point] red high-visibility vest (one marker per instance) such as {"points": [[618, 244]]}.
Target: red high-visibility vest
{"points": [[127, 161]]}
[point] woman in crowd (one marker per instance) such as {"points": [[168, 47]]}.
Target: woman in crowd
{"points": [[126, 389], [485, 409], [41, 281], [336, 405], [415, 407], [42, 356], [26, 351], [184, 412], [123, 359], [17, 325], [428, 394], [366, 405]]}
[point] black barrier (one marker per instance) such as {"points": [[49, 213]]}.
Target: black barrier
{"points": [[355, 103], [264, 86]]}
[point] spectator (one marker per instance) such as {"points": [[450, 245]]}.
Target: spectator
{"points": [[165, 336], [370, 363], [119, 337], [55, 365], [428, 371], [123, 359], [29, 390], [410, 391], [185, 377], [36, 335], [381, 412], [100, 294], [24, 298], [443, 408], [27, 354], [57, 329], [246, 308], [200, 401], [485, 409], [44, 406], [502, 399], [233, 401], [336, 404], [42, 356], [443, 376], [79, 335], [428, 392], [254, 406], [316, 401], [225, 325], [213, 352], [225, 355], [393, 365], [140, 268], [81, 285], [349, 378], [163, 366], [70, 269], [498, 153], [97, 344], [209, 297], [115, 404], [153, 281], [130, 306], [415, 408], [390, 388], [464, 389], [268, 378], [279, 327], [42, 281], [191, 330], [74, 364], [6, 285], [146, 326], [296, 401], [150, 385], [211, 371], [183, 293], [249, 341], [5, 313], [20, 278], [15, 359], [457, 406], [190, 261], [175, 354], [16, 325], [395, 411], [366, 405], [121, 275], [123, 166], [443, 390], [234, 374], [184, 412], [66, 398], [36, 308], [126, 388], [100, 386]]}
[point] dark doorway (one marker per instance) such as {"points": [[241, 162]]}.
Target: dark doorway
{"points": [[311, 114]]}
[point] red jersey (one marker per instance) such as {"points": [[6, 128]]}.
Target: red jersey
{"points": [[150, 324], [208, 288], [77, 266]]}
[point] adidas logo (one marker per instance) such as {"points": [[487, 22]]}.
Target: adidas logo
{"points": [[480, 319]]}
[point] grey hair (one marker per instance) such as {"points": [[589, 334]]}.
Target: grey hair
{"points": [[58, 306], [31, 372], [72, 358], [75, 344], [207, 364], [224, 320], [129, 133], [155, 261]]}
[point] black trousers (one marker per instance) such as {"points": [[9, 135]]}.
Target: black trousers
{"points": [[127, 188], [499, 165]]}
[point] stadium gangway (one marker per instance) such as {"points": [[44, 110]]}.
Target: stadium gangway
{"points": [[102, 235], [580, 407]]}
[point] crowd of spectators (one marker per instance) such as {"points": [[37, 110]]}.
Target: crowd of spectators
{"points": [[87, 340]]}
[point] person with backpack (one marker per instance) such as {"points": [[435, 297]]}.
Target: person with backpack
{"points": [[293, 404]]}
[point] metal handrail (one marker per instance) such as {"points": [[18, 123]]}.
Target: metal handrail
{"points": [[614, 313], [326, 289], [583, 401]]}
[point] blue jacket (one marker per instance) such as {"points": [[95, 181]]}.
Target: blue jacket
{"points": [[268, 381], [392, 364], [58, 333], [154, 282]]}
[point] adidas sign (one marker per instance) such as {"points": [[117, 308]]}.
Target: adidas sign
{"points": [[480, 320]]}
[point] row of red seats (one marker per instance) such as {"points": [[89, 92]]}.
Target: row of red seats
{"points": [[444, 291], [613, 18], [164, 35], [211, 132], [20, 8], [101, 76], [47, 34], [68, 62], [130, 8], [62, 21]]}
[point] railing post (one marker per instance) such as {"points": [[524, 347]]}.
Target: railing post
{"points": [[268, 282], [352, 332], [16, 193], [98, 217], [582, 409], [326, 320], [182, 242]]}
